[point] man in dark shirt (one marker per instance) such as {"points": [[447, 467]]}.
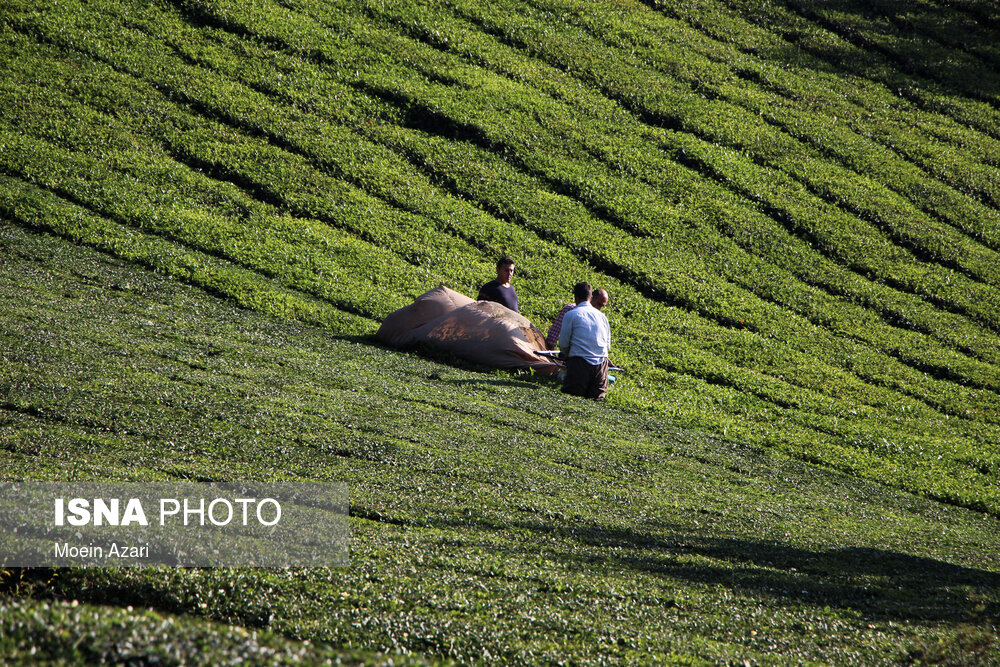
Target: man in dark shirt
{"points": [[500, 290]]}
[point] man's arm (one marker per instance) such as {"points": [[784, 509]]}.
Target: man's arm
{"points": [[606, 331], [552, 338], [483, 296], [566, 333]]}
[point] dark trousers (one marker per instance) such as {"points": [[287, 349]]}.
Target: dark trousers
{"points": [[583, 379]]}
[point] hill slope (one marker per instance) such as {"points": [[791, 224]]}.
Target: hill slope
{"points": [[794, 209], [492, 517]]}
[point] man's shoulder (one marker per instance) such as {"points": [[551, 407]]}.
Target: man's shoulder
{"points": [[580, 311]]}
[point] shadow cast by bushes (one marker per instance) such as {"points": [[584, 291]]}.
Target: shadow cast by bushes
{"points": [[880, 585], [955, 47]]}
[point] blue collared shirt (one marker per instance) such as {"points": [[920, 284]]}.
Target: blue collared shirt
{"points": [[585, 333]]}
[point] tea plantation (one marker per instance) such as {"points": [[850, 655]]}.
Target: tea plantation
{"points": [[208, 206]]}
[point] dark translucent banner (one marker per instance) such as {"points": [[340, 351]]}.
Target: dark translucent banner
{"points": [[138, 524]]}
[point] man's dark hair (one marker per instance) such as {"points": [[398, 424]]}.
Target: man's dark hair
{"points": [[505, 261], [582, 292]]}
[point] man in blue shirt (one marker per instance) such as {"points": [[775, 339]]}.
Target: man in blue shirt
{"points": [[585, 339], [500, 290], [598, 300]]}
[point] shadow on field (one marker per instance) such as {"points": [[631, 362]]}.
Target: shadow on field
{"points": [[486, 375], [880, 585], [955, 46], [491, 382]]}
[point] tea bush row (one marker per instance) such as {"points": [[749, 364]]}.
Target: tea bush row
{"points": [[40, 209], [940, 145], [915, 50], [666, 174], [969, 338], [862, 208], [819, 39], [169, 200], [848, 125]]}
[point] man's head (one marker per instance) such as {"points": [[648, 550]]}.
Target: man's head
{"points": [[505, 270], [581, 292], [600, 298]]}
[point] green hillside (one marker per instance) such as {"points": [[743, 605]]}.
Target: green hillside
{"points": [[206, 208]]}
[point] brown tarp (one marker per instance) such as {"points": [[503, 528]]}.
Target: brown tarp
{"points": [[480, 331]]}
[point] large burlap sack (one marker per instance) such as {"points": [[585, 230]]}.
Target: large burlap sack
{"points": [[480, 331]]}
